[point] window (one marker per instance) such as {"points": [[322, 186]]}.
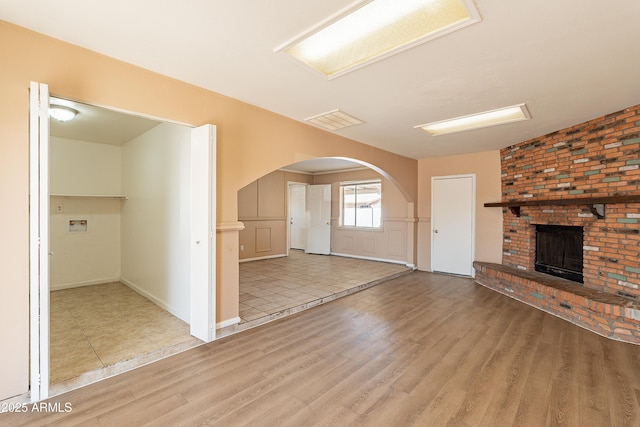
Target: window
{"points": [[361, 204]]}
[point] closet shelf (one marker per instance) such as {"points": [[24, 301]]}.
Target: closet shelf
{"points": [[92, 196]]}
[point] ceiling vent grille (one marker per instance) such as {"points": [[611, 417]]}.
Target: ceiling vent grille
{"points": [[333, 120]]}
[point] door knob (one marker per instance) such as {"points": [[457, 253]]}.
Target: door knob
{"points": [[435, 231], [197, 242]]}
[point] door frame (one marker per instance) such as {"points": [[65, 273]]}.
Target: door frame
{"points": [[39, 269], [202, 312], [325, 228], [39, 240], [473, 215], [289, 185]]}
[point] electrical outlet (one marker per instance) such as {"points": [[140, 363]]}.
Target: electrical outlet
{"points": [[242, 247], [59, 209]]}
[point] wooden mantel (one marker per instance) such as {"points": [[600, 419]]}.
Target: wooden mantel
{"points": [[597, 203]]}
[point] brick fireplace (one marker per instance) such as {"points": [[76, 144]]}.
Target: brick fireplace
{"points": [[586, 176]]}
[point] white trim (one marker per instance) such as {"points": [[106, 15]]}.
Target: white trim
{"points": [[355, 183], [361, 182], [39, 240], [155, 300], [228, 322], [202, 280], [34, 285], [85, 283], [263, 257], [393, 261], [288, 210]]}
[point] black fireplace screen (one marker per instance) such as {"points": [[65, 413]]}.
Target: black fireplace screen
{"points": [[559, 251]]}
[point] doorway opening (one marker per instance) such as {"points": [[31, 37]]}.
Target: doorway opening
{"points": [[120, 234], [297, 202], [116, 184], [281, 271]]}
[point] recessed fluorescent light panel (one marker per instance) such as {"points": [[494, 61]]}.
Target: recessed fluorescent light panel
{"points": [[369, 31], [501, 116], [333, 120]]}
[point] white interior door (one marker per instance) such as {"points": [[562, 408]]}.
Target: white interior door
{"points": [[453, 222], [297, 216], [39, 240], [203, 247], [319, 219]]}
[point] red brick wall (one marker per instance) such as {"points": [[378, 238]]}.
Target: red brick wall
{"points": [[598, 158]]}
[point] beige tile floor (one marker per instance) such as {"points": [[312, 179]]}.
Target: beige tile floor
{"points": [[269, 287], [94, 327]]}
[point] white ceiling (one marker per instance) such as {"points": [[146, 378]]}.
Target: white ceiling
{"points": [[569, 61], [107, 126], [101, 125]]}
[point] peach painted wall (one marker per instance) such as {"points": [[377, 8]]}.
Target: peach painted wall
{"points": [[251, 143], [392, 242], [486, 167], [262, 208]]}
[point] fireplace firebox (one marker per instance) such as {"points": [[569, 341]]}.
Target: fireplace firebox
{"points": [[559, 251]]}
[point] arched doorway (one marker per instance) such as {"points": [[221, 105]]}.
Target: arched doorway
{"points": [[276, 279]]}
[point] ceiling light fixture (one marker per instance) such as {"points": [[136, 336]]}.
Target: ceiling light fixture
{"points": [[369, 31], [62, 113], [333, 120], [500, 116]]}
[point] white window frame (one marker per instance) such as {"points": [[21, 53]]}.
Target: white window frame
{"points": [[342, 206]]}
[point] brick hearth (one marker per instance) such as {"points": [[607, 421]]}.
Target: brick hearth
{"points": [[599, 158], [609, 315]]}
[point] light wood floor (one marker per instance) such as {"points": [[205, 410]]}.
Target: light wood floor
{"points": [[423, 349]]}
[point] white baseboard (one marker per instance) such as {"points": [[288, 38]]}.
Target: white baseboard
{"points": [[155, 300], [85, 283], [393, 261], [263, 257], [228, 322]]}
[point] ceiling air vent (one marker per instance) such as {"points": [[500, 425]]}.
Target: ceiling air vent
{"points": [[333, 120]]}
